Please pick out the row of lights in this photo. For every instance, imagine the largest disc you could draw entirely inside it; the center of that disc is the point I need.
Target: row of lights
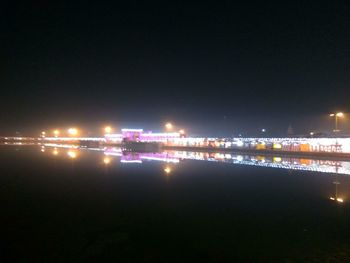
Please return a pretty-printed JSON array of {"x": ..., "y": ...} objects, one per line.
[
  {"x": 73, "y": 131},
  {"x": 108, "y": 129},
  {"x": 106, "y": 160}
]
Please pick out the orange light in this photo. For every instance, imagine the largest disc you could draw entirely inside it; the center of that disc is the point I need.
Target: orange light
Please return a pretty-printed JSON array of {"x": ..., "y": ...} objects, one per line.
[
  {"x": 72, "y": 154},
  {"x": 55, "y": 152},
  {"x": 169, "y": 126},
  {"x": 340, "y": 114},
  {"x": 72, "y": 131},
  {"x": 108, "y": 129},
  {"x": 340, "y": 200},
  {"x": 56, "y": 132},
  {"x": 167, "y": 170},
  {"x": 106, "y": 160}
]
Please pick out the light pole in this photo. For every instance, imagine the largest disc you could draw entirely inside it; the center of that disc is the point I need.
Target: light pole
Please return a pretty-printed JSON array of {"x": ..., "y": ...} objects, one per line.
[{"x": 336, "y": 115}]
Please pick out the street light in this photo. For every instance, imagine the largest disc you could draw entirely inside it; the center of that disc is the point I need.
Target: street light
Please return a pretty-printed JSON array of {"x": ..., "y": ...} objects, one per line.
[
  {"x": 72, "y": 154},
  {"x": 108, "y": 129},
  {"x": 167, "y": 170},
  {"x": 56, "y": 132},
  {"x": 336, "y": 115},
  {"x": 72, "y": 131},
  {"x": 168, "y": 126},
  {"x": 106, "y": 160}
]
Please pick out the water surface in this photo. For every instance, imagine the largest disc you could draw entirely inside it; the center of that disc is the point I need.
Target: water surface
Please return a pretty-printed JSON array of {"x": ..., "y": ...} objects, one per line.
[{"x": 78, "y": 205}]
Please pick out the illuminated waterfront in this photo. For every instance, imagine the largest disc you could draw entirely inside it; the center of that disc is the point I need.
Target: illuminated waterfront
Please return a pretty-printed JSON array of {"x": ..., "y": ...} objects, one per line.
[{"x": 82, "y": 203}]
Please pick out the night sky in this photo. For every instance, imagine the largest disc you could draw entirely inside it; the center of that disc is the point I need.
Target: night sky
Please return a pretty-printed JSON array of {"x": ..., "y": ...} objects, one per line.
[{"x": 214, "y": 68}]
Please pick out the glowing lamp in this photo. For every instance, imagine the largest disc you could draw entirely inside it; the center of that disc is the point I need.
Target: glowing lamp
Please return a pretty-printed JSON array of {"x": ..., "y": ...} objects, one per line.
[
  {"x": 168, "y": 126},
  {"x": 72, "y": 154},
  {"x": 167, "y": 170},
  {"x": 108, "y": 129},
  {"x": 72, "y": 131},
  {"x": 340, "y": 114},
  {"x": 56, "y": 132},
  {"x": 106, "y": 160}
]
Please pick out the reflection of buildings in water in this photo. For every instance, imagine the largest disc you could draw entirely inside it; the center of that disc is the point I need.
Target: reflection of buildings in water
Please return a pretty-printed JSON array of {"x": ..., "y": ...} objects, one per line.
[
  {"x": 334, "y": 167},
  {"x": 324, "y": 166},
  {"x": 289, "y": 163}
]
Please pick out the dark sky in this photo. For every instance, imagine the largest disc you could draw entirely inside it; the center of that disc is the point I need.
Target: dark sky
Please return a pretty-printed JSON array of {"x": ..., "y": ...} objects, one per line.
[{"x": 213, "y": 67}]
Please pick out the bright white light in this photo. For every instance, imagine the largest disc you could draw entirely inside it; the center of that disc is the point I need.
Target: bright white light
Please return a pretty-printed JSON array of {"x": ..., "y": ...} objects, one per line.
[
  {"x": 240, "y": 143},
  {"x": 72, "y": 154},
  {"x": 239, "y": 158},
  {"x": 132, "y": 130},
  {"x": 169, "y": 126},
  {"x": 72, "y": 131},
  {"x": 108, "y": 129},
  {"x": 340, "y": 114}
]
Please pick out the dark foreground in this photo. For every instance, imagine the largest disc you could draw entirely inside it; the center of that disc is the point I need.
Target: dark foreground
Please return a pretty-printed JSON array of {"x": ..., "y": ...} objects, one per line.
[{"x": 56, "y": 209}]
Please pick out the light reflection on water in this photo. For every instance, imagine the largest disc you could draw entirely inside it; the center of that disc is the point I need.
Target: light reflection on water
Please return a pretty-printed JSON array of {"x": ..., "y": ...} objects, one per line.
[
  {"x": 169, "y": 161},
  {"x": 172, "y": 158},
  {"x": 291, "y": 163},
  {"x": 174, "y": 197}
]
